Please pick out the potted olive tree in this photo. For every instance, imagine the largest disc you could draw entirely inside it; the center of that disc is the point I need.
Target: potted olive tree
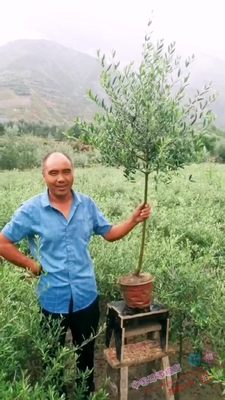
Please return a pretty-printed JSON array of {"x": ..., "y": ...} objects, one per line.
[{"x": 147, "y": 124}]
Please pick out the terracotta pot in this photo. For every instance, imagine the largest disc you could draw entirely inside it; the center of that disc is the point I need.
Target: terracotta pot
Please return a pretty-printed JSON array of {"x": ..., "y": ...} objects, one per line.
[{"x": 137, "y": 290}]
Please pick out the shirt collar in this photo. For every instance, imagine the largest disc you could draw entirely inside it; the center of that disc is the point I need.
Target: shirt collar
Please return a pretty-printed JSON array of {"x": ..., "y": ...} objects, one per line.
[{"x": 46, "y": 202}]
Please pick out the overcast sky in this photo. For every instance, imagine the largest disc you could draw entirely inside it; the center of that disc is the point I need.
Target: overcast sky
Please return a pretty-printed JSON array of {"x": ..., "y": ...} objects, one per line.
[{"x": 86, "y": 25}]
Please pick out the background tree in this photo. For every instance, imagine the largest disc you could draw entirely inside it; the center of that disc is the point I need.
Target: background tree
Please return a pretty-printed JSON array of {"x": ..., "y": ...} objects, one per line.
[{"x": 2, "y": 129}]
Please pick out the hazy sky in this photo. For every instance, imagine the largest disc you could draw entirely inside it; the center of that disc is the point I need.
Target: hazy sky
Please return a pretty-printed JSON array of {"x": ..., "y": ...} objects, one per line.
[{"x": 86, "y": 25}]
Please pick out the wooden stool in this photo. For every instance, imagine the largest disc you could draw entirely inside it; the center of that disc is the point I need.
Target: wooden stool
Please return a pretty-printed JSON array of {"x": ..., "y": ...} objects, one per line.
[{"x": 125, "y": 324}]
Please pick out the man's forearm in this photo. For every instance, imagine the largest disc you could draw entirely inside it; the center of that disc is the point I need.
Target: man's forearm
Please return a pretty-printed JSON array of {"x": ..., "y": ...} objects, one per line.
[
  {"x": 119, "y": 231},
  {"x": 10, "y": 252},
  {"x": 140, "y": 214},
  {"x": 13, "y": 255}
]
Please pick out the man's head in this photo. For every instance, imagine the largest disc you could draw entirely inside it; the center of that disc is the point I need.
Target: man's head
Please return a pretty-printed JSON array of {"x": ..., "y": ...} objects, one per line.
[{"x": 58, "y": 173}]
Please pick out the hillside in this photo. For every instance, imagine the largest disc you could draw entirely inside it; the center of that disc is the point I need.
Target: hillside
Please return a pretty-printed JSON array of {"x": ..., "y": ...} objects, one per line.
[{"x": 42, "y": 80}]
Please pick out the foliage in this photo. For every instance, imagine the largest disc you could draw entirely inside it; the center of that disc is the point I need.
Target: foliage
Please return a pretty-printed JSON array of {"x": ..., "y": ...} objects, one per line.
[
  {"x": 210, "y": 142},
  {"x": 185, "y": 244},
  {"x": 28, "y": 371},
  {"x": 214, "y": 141},
  {"x": 220, "y": 150},
  {"x": 75, "y": 131},
  {"x": 218, "y": 375},
  {"x": 217, "y": 132},
  {"x": 17, "y": 155},
  {"x": 2, "y": 129},
  {"x": 148, "y": 124},
  {"x": 25, "y": 152},
  {"x": 40, "y": 129}
]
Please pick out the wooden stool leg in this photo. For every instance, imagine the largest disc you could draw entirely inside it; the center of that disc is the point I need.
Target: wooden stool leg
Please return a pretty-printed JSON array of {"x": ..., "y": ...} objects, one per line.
[
  {"x": 123, "y": 383},
  {"x": 113, "y": 382},
  {"x": 167, "y": 381}
]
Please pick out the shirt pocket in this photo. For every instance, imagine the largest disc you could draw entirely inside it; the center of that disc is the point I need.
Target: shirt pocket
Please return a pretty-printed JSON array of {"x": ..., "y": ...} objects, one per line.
[{"x": 82, "y": 227}]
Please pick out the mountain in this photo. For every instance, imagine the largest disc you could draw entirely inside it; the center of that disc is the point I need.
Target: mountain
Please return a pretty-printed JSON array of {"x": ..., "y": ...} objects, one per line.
[{"x": 42, "y": 80}]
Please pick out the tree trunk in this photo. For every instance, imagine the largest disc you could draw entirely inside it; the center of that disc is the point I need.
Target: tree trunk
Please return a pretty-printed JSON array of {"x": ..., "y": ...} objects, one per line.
[{"x": 140, "y": 262}]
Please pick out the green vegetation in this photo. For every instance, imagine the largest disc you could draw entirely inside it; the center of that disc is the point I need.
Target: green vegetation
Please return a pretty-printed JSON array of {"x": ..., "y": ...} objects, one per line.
[
  {"x": 184, "y": 251},
  {"x": 149, "y": 124},
  {"x": 41, "y": 129},
  {"x": 27, "y": 369},
  {"x": 24, "y": 151},
  {"x": 23, "y": 144},
  {"x": 214, "y": 141}
]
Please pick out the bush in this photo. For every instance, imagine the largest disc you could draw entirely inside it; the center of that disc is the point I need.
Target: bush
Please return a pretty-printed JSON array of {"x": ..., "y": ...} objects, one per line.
[
  {"x": 24, "y": 152},
  {"x": 27, "y": 371},
  {"x": 220, "y": 150}
]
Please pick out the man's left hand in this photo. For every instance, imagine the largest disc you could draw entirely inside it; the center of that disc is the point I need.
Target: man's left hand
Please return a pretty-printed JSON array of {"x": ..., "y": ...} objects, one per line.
[{"x": 142, "y": 212}]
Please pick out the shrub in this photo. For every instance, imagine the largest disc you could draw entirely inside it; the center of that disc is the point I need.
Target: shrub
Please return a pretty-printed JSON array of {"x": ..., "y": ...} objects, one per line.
[{"x": 220, "y": 150}]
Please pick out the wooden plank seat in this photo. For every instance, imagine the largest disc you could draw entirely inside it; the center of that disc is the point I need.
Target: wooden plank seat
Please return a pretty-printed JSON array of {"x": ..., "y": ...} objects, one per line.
[{"x": 136, "y": 353}]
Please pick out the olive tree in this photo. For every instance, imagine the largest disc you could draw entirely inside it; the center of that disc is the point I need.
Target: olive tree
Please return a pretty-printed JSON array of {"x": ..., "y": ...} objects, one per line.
[{"x": 147, "y": 122}]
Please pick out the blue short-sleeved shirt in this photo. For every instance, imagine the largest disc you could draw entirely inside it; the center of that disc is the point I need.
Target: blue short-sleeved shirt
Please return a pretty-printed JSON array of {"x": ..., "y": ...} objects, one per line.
[{"x": 61, "y": 246}]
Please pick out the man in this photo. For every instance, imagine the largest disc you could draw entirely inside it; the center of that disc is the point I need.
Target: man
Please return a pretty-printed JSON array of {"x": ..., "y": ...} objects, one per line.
[{"x": 64, "y": 221}]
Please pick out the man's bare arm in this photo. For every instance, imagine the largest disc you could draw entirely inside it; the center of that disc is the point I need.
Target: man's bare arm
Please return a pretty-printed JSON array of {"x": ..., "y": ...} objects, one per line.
[
  {"x": 117, "y": 232},
  {"x": 10, "y": 252}
]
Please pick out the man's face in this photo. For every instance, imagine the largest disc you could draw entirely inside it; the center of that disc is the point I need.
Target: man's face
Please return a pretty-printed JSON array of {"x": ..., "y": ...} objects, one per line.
[{"x": 58, "y": 175}]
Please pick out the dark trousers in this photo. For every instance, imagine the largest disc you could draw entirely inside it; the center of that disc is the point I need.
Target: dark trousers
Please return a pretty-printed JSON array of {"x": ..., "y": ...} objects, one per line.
[{"x": 82, "y": 324}]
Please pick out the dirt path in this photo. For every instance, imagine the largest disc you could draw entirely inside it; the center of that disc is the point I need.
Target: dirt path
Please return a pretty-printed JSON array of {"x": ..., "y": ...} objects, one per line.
[{"x": 194, "y": 384}]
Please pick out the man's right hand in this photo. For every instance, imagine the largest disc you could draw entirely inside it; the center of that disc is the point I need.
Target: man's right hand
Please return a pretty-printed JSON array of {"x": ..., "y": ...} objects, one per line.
[
  {"x": 35, "y": 268},
  {"x": 10, "y": 252}
]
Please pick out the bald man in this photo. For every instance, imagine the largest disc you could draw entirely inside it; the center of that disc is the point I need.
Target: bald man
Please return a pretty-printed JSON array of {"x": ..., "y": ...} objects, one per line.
[{"x": 65, "y": 221}]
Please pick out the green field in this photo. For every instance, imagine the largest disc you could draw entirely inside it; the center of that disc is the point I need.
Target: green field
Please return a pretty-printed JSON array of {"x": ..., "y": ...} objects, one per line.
[{"x": 185, "y": 251}]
